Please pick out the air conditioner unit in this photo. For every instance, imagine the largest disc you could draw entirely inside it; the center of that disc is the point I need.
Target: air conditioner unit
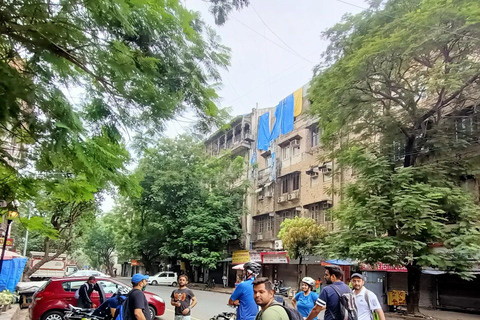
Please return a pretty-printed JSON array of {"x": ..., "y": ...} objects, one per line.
[
  {"x": 293, "y": 196},
  {"x": 295, "y": 144},
  {"x": 260, "y": 197},
  {"x": 249, "y": 137},
  {"x": 326, "y": 170},
  {"x": 314, "y": 174},
  {"x": 278, "y": 245},
  {"x": 281, "y": 199},
  {"x": 259, "y": 236},
  {"x": 268, "y": 194}
]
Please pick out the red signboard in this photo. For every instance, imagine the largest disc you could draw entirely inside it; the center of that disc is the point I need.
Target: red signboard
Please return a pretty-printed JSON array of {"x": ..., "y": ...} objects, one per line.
[
  {"x": 274, "y": 257},
  {"x": 134, "y": 263},
  {"x": 9, "y": 241},
  {"x": 379, "y": 266}
]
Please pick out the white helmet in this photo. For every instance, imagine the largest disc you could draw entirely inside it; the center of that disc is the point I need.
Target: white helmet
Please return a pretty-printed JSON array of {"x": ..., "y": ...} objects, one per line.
[{"x": 309, "y": 281}]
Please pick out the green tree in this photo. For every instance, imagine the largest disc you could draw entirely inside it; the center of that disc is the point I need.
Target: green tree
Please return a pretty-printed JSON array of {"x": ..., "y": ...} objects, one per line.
[
  {"x": 399, "y": 215},
  {"x": 300, "y": 237},
  {"x": 404, "y": 74},
  {"x": 133, "y": 64},
  {"x": 100, "y": 245},
  {"x": 191, "y": 201}
]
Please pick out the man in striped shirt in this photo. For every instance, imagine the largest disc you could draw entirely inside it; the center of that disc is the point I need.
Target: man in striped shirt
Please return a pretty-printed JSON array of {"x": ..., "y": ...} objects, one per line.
[{"x": 329, "y": 299}]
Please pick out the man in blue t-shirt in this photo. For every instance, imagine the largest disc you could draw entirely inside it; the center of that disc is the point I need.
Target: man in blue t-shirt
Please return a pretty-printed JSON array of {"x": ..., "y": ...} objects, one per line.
[
  {"x": 243, "y": 294},
  {"x": 329, "y": 298}
]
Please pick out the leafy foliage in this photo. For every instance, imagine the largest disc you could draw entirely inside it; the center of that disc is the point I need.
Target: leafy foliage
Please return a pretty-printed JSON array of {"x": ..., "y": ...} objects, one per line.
[
  {"x": 190, "y": 205},
  {"x": 301, "y": 235},
  {"x": 221, "y": 8},
  {"x": 403, "y": 71},
  {"x": 100, "y": 245}
]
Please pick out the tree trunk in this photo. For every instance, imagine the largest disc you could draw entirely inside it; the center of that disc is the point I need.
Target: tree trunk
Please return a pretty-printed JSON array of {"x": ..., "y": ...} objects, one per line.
[
  {"x": 46, "y": 258},
  {"x": 413, "y": 295},
  {"x": 299, "y": 274}
]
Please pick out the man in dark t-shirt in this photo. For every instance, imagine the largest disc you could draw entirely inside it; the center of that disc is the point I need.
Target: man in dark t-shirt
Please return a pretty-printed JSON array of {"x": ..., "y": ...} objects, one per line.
[
  {"x": 137, "y": 302},
  {"x": 183, "y": 299},
  {"x": 329, "y": 299}
]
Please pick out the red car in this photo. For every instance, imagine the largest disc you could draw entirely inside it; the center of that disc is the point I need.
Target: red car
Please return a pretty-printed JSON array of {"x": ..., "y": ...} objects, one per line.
[{"x": 50, "y": 301}]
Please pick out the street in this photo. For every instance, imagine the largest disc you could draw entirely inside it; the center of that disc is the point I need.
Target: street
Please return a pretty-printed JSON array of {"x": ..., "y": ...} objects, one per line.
[{"x": 209, "y": 303}]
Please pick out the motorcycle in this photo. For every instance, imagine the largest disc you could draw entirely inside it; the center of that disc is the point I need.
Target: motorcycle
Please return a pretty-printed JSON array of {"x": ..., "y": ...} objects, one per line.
[
  {"x": 225, "y": 315},
  {"x": 280, "y": 289},
  {"x": 75, "y": 313}
]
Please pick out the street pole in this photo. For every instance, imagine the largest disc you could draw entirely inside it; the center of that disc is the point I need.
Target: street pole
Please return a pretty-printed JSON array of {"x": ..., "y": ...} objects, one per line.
[
  {"x": 4, "y": 247},
  {"x": 26, "y": 237}
]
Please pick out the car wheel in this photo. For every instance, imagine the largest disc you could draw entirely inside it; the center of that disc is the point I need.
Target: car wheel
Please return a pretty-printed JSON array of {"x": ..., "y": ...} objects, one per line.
[
  {"x": 152, "y": 311},
  {"x": 174, "y": 284},
  {"x": 53, "y": 315},
  {"x": 154, "y": 282}
]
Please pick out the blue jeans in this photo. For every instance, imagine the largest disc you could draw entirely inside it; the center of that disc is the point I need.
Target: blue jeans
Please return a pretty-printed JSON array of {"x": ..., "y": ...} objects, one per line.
[{"x": 180, "y": 317}]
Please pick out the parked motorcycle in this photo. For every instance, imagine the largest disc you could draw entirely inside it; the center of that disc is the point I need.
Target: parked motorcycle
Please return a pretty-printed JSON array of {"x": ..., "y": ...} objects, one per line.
[
  {"x": 280, "y": 289},
  {"x": 225, "y": 315},
  {"x": 75, "y": 313}
]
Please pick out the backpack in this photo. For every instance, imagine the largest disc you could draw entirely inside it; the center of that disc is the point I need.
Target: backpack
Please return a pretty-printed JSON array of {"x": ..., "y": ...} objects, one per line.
[
  {"x": 374, "y": 315},
  {"x": 121, "y": 313},
  {"x": 348, "y": 308},
  {"x": 293, "y": 314}
]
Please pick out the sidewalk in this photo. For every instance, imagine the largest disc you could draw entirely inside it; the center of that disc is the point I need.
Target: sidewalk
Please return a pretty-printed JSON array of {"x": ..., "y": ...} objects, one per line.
[
  {"x": 432, "y": 314},
  {"x": 218, "y": 288},
  {"x": 12, "y": 314}
]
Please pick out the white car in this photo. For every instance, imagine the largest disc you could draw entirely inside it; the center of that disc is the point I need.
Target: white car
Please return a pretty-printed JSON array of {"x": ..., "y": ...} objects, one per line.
[
  {"x": 89, "y": 273},
  {"x": 164, "y": 277}
]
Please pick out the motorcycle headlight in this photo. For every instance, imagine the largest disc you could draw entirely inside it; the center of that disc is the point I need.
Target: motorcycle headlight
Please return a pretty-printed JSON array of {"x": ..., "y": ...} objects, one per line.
[{"x": 158, "y": 299}]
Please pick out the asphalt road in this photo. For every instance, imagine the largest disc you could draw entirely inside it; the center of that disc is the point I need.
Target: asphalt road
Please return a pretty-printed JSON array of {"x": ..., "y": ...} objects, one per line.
[{"x": 209, "y": 303}]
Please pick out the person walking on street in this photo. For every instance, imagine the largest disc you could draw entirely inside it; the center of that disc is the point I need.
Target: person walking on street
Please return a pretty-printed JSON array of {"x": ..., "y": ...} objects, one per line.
[
  {"x": 183, "y": 299},
  {"x": 84, "y": 293},
  {"x": 318, "y": 285},
  {"x": 305, "y": 301},
  {"x": 329, "y": 298},
  {"x": 242, "y": 296},
  {"x": 224, "y": 279},
  {"x": 264, "y": 294},
  {"x": 137, "y": 302},
  {"x": 366, "y": 301}
]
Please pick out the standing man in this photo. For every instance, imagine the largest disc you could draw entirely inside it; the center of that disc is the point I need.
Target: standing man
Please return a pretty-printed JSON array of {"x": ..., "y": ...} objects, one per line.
[
  {"x": 366, "y": 301},
  {"x": 329, "y": 298},
  {"x": 243, "y": 294},
  {"x": 224, "y": 279},
  {"x": 137, "y": 302},
  {"x": 183, "y": 299},
  {"x": 84, "y": 293},
  {"x": 265, "y": 298}
]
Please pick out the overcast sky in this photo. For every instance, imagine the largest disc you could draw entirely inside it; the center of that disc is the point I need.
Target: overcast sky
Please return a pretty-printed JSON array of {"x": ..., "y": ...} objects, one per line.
[{"x": 275, "y": 45}]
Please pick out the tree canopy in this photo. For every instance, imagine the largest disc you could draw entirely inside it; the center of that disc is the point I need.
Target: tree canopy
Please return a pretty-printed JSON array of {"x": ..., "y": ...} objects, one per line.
[
  {"x": 401, "y": 72},
  {"x": 190, "y": 205}
]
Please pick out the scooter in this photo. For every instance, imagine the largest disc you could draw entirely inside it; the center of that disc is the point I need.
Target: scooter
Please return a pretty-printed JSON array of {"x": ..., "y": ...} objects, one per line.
[
  {"x": 225, "y": 315},
  {"x": 280, "y": 289}
]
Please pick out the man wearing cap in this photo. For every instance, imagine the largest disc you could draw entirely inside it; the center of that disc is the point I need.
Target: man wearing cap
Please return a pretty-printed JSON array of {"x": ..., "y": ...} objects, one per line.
[
  {"x": 137, "y": 302},
  {"x": 366, "y": 301}
]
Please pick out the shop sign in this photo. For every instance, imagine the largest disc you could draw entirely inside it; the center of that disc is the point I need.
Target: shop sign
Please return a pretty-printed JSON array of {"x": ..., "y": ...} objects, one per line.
[
  {"x": 134, "y": 262},
  {"x": 241, "y": 256},
  {"x": 274, "y": 257},
  {"x": 379, "y": 266},
  {"x": 9, "y": 241},
  {"x": 255, "y": 256}
]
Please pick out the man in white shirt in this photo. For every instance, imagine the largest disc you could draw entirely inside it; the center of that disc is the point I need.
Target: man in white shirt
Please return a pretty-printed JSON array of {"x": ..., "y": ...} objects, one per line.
[{"x": 366, "y": 301}]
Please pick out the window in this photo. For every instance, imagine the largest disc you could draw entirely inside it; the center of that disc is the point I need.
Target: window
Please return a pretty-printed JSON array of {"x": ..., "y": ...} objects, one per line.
[
  {"x": 465, "y": 127},
  {"x": 317, "y": 214},
  {"x": 286, "y": 215},
  {"x": 296, "y": 181},
  {"x": 72, "y": 286},
  {"x": 108, "y": 286},
  {"x": 264, "y": 224},
  {"x": 285, "y": 184},
  {"x": 315, "y": 136},
  {"x": 295, "y": 147},
  {"x": 291, "y": 182},
  {"x": 286, "y": 152},
  {"x": 163, "y": 275},
  {"x": 171, "y": 275},
  {"x": 268, "y": 161}
]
